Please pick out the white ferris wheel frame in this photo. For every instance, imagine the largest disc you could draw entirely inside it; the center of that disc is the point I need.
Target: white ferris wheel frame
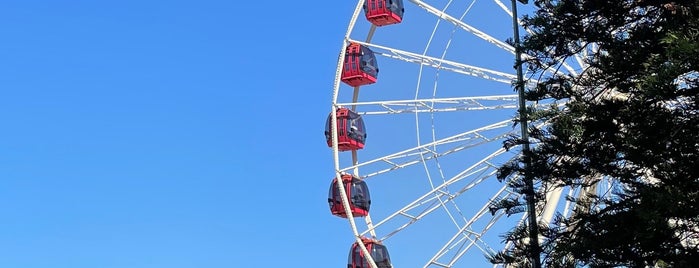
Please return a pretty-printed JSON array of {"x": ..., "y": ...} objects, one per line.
[{"x": 465, "y": 238}]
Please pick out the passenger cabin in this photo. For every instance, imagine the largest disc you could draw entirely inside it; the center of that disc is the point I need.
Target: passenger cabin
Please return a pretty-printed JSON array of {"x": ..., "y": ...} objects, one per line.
[
  {"x": 351, "y": 133},
  {"x": 383, "y": 12},
  {"x": 360, "y": 67},
  {"x": 357, "y": 193},
  {"x": 378, "y": 252}
]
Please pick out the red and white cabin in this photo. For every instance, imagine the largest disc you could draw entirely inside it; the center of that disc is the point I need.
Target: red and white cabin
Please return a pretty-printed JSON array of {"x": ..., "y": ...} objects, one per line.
[
  {"x": 378, "y": 253},
  {"x": 357, "y": 193},
  {"x": 360, "y": 67},
  {"x": 383, "y": 12},
  {"x": 351, "y": 133}
]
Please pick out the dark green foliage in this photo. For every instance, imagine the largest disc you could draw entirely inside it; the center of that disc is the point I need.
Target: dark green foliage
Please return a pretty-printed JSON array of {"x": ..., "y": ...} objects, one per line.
[{"x": 631, "y": 116}]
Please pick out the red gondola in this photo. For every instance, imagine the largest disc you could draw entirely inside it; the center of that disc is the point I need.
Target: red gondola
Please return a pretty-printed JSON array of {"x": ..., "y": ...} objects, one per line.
[
  {"x": 360, "y": 67},
  {"x": 357, "y": 193},
  {"x": 351, "y": 133},
  {"x": 378, "y": 252},
  {"x": 383, "y": 12}
]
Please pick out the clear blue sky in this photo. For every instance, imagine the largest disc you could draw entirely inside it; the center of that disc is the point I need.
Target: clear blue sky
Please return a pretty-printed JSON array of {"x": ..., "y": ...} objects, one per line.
[
  {"x": 170, "y": 133},
  {"x": 167, "y": 133}
]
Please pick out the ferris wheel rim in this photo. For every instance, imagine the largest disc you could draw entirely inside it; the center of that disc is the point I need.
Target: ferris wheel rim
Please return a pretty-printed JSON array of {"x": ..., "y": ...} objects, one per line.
[
  {"x": 335, "y": 105},
  {"x": 334, "y": 123}
]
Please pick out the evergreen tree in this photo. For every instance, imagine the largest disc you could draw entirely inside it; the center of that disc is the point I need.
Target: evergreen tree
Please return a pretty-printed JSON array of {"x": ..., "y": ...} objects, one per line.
[{"x": 631, "y": 118}]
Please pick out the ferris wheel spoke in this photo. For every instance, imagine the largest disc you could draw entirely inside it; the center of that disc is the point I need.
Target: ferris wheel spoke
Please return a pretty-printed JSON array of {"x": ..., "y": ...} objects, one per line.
[
  {"x": 467, "y": 240},
  {"x": 429, "y": 151},
  {"x": 435, "y": 105},
  {"x": 468, "y": 237},
  {"x": 480, "y": 34},
  {"x": 503, "y": 7},
  {"x": 434, "y": 199},
  {"x": 440, "y": 63},
  {"x": 462, "y": 242},
  {"x": 442, "y": 15},
  {"x": 579, "y": 58}
]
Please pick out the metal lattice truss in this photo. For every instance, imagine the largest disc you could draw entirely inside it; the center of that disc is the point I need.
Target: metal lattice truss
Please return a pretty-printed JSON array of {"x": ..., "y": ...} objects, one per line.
[
  {"x": 443, "y": 196},
  {"x": 468, "y": 28},
  {"x": 480, "y": 34},
  {"x": 440, "y": 64},
  {"x": 435, "y": 105},
  {"x": 435, "y": 149},
  {"x": 467, "y": 235}
]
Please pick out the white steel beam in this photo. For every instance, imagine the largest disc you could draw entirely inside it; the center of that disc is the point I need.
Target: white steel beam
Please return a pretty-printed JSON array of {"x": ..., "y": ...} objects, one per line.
[
  {"x": 436, "y": 105},
  {"x": 429, "y": 202},
  {"x": 440, "y": 63},
  {"x": 412, "y": 156},
  {"x": 464, "y": 26},
  {"x": 467, "y": 233}
]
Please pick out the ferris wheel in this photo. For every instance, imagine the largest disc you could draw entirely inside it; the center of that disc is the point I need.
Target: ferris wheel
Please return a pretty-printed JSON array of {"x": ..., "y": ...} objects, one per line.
[{"x": 424, "y": 132}]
